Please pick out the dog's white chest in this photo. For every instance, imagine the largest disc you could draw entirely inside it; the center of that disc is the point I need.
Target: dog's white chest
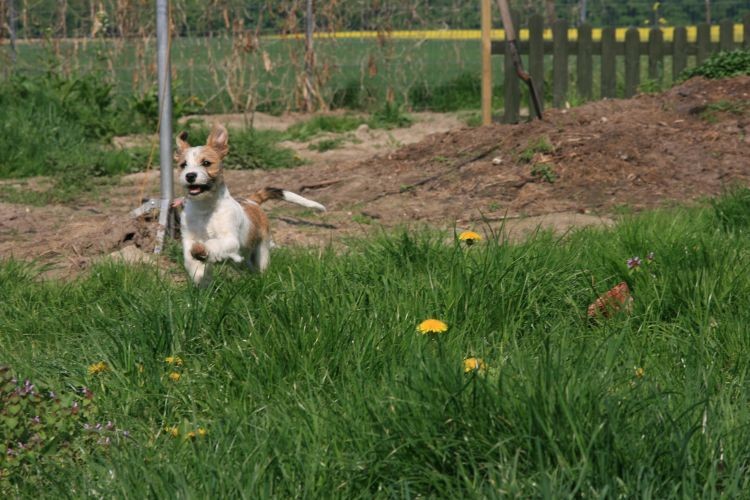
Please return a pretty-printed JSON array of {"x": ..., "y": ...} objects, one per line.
[{"x": 225, "y": 218}]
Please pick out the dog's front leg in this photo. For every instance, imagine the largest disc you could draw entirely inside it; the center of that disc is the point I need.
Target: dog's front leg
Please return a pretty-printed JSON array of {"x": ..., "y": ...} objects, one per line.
[
  {"x": 197, "y": 269},
  {"x": 224, "y": 247}
]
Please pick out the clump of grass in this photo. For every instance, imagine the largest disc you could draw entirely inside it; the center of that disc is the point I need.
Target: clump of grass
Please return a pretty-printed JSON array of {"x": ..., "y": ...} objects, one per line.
[
  {"x": 308, "y": 129},
  {"x": 712, "y": 111},
  {"x": 732, "y": 210},
  {"x": 252, "y": 149},
  {"x": 327, "y": 144},
  {"x": 544, "y": 172},
  {"x": 390, "y": 116},
  {"x": 535, "y": 146},
  {"x": 61, "y": 127}
]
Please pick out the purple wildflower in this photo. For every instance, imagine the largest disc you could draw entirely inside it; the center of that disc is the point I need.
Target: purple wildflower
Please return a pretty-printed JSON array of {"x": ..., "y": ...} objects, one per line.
[
  {"x": 110, "y": 425},
  {"x": 52, "y": 395},
  {"x": 98, "y": 427},
  {"x": 125, "y": 434},
  {"x": 11, "y": 452},
  {"x": 634, "y": 262},
  {"x": 36, "y": 420}
]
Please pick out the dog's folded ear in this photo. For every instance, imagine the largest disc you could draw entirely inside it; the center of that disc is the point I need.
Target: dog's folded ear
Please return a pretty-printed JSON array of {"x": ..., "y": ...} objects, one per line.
[
  {"x": 182, "y": 143},
  {"x": 218, "y": 139}
]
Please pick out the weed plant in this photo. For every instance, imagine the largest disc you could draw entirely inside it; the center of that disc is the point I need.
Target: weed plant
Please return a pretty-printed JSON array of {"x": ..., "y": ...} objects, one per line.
[
  {"x": 721, "y": 65},
  {"x": 312, "y": 380}
]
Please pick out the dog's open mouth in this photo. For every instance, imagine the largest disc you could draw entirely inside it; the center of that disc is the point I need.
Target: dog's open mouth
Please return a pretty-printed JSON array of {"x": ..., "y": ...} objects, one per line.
[{"x": 196, "y": 189}]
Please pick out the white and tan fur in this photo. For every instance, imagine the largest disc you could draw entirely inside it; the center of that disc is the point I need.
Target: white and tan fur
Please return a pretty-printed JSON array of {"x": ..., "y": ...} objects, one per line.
[{"x": 215, "y": 226}]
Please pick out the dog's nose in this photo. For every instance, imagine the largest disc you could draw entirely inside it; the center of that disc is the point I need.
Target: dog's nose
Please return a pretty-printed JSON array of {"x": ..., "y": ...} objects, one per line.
[{"x": 190, "y": 177}]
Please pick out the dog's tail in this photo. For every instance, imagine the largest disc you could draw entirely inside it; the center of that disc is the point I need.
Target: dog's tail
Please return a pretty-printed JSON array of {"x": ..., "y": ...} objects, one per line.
[{"x": 271, "y": 193}]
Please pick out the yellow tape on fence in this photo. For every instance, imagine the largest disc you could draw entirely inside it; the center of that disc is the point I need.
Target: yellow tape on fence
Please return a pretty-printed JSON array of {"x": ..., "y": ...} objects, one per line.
[{"x": 499, "y": 34}]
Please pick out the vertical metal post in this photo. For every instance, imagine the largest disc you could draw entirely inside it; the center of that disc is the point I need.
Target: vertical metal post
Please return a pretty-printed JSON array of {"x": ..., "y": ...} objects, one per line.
[
  {"x": 165, "y": 121},
  {"x": 582, "y": 13},
  {"x": 309, "y": 56},
  {"x": 487, "y": 62},
  {"x": 12, "y": 19}
]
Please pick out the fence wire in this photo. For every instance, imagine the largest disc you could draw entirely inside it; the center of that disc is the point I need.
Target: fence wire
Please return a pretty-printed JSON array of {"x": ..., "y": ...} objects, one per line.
[{"x": 231, "y": 55}]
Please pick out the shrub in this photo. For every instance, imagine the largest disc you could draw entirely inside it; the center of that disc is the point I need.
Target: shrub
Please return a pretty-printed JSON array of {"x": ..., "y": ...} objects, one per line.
[
  {"x": 721, "y": 65},
  {"x": 41, "y": 429}
]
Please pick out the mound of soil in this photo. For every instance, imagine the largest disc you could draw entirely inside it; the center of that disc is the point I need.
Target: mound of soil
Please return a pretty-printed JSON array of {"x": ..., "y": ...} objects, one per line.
[{"x": 575, "y": 167}]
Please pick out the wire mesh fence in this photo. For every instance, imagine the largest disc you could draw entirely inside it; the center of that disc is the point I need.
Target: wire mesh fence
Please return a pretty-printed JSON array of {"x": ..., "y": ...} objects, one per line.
[{"x": 229, "y": 55}]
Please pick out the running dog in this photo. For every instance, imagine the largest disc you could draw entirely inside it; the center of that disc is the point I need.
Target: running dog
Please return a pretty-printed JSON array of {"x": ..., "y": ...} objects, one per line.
[{"x": 215, "y": 226}]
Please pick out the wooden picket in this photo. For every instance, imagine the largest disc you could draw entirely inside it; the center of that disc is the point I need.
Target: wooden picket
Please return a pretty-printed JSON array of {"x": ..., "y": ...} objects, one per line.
[{"x": 658, "y": 52}]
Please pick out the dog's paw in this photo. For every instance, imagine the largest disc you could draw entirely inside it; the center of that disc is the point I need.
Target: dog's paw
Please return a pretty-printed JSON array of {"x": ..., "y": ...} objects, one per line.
[{"x": 199, "y": 251}]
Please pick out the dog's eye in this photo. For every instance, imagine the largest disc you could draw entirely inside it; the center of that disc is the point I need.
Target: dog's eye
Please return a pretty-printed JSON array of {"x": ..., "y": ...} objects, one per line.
[
  {"x": 183, "y": 164},
  {"x": 205, "y": 163}
]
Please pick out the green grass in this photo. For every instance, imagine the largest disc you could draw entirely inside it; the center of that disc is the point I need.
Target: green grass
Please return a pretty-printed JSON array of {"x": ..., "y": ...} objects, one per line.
[
  {"x": 534, "y": 146},
  {"x": 311, "y": 380}
]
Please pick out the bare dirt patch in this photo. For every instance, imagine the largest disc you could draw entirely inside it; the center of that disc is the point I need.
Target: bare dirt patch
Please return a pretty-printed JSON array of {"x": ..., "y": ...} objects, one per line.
[{"x": 576, "y": 167}]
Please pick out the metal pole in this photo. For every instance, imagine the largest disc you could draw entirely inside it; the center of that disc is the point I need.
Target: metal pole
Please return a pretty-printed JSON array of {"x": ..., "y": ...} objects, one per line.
[
  {"x": 12, "y": 28},
  {"x": 486, "y": 63},
  {"x": 582, "y": 14},
  {"x": 309, "y": 55},
  {"x": 165, "y": 120}
]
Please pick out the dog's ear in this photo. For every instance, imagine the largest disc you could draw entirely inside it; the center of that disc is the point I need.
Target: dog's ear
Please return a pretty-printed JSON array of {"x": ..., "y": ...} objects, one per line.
[
  {"x": 218, "y": 139},
  {"x": 182, "y": 143}
]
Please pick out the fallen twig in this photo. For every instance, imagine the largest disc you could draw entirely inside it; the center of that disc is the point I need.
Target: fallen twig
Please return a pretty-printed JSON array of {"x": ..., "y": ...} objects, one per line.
[
  {"x": 301, "y": 222},
  {"x": 319, "y": 185},
  {"x": 456, "y": 166}
]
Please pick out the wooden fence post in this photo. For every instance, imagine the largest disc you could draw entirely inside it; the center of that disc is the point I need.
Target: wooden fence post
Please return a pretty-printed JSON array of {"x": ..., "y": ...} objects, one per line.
[
  {"x": 656, "y": 55},
  {"x": 536, "y": 55},
  {"x": 584, "y": 62},
  {"x": 609, "y": 64},
  {"x": 486, "y": 63},
  {"x": 726, "y": 35},
  {"x": 632, "y": 61},
  {"x": 512, "y": 91},
  {"x": 559, "y": 63},
  {"x": 704, "y": 42},
  {"x": 679, "y": 52}
]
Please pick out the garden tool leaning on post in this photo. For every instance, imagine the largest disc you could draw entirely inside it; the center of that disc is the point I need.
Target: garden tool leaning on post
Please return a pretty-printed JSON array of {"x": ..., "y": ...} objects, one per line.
[{"x": 510, "y": 44}]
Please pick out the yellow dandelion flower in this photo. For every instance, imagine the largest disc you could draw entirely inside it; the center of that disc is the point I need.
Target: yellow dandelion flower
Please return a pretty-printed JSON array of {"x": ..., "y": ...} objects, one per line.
[
  {"x": 190, "y": 435},
  {"x": 98, "y": 368},
  {"x": 639, "y": 372},
  {"x": 469, "y": 237},
  {"x": 173, "y": 431},
  {"x": 474, "y": 364},
  {"x": 431, "y": 326},
  {"x": 202, "y": 432},
  {"x": 173, "y": 360},
  {"x": 174, "y": 376}
]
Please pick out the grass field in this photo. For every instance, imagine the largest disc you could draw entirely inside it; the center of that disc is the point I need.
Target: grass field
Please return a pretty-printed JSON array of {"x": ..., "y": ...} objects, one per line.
[
  {"x": 214, "y": 75},
  {"x": 312, "y": 381}
]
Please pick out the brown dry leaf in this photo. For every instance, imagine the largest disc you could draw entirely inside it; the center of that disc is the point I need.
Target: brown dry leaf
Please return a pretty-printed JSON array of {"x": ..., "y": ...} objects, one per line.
[{"x": 616, "y": 299}]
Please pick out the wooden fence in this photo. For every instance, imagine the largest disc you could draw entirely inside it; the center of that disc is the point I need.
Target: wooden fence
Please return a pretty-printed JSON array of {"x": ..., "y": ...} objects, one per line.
[{"x": 584, "y": 48}]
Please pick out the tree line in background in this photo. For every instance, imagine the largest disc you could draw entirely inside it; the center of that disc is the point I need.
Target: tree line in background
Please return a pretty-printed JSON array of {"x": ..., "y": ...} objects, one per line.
[{"x": 92, "y": 18}]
